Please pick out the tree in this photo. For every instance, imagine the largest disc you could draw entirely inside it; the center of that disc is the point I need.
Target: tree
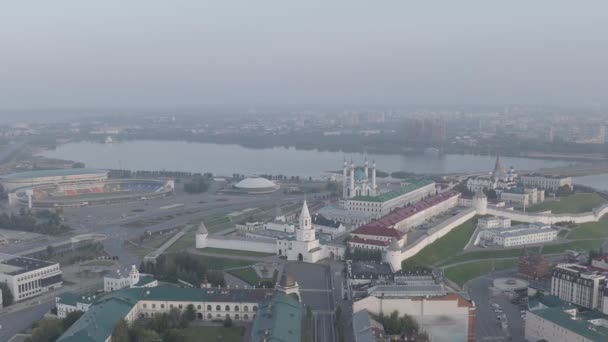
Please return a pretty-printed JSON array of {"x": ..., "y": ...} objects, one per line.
[
  {"x": 71, "y": 318},
  {"x": 7, "y": 295},
  {"x": 48, "y": 330},
  {"x": 309, "y": 333},
  {"x": 50, "y": 250},
  {"x": 78, "y": 165},
  {"x": 174, "y": 318},
  {"x": 121, "y": 331},
  {"x": 189, "y": 315},
  {"x": 227, "y": 322},
  {"x": 174, "y": 335}
]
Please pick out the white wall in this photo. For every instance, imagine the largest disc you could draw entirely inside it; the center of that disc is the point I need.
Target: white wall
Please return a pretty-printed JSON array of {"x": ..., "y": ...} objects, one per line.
[
  {"x": 240, "y": 244},
  {"x": 592, "y": 216},
  {"x": 438, "y": 231}
]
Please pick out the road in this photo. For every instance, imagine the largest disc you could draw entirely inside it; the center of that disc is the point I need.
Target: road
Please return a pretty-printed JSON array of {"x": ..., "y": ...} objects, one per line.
[
  {"x": 15, "y": 322},
  {"x": 316, "y": 291}
]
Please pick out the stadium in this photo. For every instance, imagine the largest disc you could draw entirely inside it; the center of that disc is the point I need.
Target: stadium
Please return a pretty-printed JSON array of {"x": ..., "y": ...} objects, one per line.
[{"x": 70, "y": 188}]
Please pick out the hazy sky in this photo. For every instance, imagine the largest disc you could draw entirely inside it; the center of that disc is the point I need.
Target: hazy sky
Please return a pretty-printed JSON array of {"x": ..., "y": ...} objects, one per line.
[{"x": 146, "y": 53}]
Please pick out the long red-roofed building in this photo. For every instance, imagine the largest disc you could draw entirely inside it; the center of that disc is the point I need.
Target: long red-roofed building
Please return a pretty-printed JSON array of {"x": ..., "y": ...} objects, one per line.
[{"x": 379, "y": 233}]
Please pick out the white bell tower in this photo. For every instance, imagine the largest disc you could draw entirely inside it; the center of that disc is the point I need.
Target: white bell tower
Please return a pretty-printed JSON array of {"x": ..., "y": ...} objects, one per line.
[{"x": 305, "y": 231}]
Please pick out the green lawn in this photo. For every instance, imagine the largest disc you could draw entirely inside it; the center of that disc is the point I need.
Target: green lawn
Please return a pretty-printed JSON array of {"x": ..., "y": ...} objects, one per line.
[
  {"x": 214, "y": 334},
  {"x": 249, "y": 275},
  {"x": 183, "y": 243},
  {"x": 497, "y": 254},
  {"x": 578, "y": 203},
  {"x": 448, "y": 246},
  {"x": 235, "y": 252},
  {"x": 221, "y": 263},
  {"x": 573, "y": 245},
  {"x": 591, "y": 230},
  {"x": 462, "y": 273}
]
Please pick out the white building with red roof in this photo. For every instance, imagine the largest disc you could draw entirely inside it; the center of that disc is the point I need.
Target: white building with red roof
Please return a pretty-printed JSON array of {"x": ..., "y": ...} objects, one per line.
[{"x": 375, "y": 235}]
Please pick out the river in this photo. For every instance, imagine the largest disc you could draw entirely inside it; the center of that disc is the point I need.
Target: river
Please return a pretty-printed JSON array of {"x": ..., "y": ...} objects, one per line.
[{"x": 223, "y": 159}]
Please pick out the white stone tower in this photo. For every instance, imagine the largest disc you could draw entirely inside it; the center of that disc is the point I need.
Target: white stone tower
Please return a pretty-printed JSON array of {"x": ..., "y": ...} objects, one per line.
[
  {"x": 201, "y": 236},
  {"x": 393, "y": 255},
  {"x": 480, "y": 203},
  {"x": 133, "y": 276},
  {"x": 305, "y": 231}
]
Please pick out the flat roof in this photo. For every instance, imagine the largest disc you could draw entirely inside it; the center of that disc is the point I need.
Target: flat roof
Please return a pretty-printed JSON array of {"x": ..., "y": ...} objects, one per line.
[
  {"x": 412, "y": 186},
  {"x": 279, "y": 319},
  {"x": 52, "y": 173},
  {"x": 580, "y": 326},
  {"x": 15, "y": 265}
]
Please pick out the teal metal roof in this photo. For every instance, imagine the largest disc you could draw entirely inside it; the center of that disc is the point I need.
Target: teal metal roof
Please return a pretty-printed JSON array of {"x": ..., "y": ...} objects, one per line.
[
  {"x": 52, "y": 173},
  {"x": 414, "y": 185},
  {"x": 70, "y": 298},
  {"x": 278, "y": 320},
  {"x": 579, "y": 326},
  {"x": 145, "y": 280},
  {"x": 99, "y": 321}
]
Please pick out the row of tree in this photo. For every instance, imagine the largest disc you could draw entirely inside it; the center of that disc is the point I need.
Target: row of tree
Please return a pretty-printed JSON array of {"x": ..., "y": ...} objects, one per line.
[
  {"x": 162, "y": 327},
  {"x": 42, "y": 222},
  {"x": 362, "y": 254},
  {"x": 49, "y": 329},
  {"x": 185, "y": 267},
  {"x": 404, "y": 326},
  {"x": 197, "y": 185}
]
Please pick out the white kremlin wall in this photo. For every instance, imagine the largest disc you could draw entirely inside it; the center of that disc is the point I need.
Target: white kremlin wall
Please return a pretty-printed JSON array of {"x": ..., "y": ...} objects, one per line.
[
  {"x": 548, "y": 218},
  {"x": 237, "y": 243},
  {"x": 395, "y": 259}
]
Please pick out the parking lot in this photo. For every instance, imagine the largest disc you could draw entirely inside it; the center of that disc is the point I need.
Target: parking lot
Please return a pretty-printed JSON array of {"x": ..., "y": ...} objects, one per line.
[{"x": 495, "y": 309}]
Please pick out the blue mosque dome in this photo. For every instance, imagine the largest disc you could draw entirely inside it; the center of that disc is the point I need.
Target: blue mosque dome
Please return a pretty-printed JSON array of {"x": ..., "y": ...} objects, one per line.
[{"x": 360, "y": 175}]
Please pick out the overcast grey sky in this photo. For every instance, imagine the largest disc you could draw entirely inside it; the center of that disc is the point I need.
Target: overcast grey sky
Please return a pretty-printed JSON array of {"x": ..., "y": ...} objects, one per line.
[{"x": 145, "y": 53}]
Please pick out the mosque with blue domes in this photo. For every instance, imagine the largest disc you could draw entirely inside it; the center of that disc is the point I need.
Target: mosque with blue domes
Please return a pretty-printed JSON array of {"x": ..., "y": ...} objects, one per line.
[{"x": 358, "y": 181}]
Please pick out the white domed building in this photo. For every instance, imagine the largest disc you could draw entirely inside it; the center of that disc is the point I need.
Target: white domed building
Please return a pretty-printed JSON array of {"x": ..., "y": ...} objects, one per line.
[{"x": 256, "y": 185}]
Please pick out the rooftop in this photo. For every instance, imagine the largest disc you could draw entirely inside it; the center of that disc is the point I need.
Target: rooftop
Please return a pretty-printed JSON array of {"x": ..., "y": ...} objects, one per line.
[
  {"x": 15, "y": 265},
  {"x": 372, "y": 242},
  {"x": 53, "y": 173},
  {"x": 321, "y": 220},
  {"x": 580, "y": 324},
  {"x": 380, "y": 226},
  {"x": 279, "y": 319},
  {"x": 69, "y": 298},
  {"x": 97, "y": 323},
  {"x": 403, "y": 290},
  {"x": 412, "y": 186}
]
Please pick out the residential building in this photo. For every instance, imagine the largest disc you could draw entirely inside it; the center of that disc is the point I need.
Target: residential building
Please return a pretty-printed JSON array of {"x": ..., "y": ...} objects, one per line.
[
  {"x": 600, "y": 262},
  {"x": 27, "y": 277},
  {"x": 578, "y": 285},
  {"x": 69, "y": 302},
  {"x": 324, "y": 225}
]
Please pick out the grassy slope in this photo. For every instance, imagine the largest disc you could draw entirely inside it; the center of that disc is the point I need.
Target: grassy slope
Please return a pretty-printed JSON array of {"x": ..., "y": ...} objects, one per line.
[
  {"x": 463, "y": 273},
  {"x": 446, "y": 247}
]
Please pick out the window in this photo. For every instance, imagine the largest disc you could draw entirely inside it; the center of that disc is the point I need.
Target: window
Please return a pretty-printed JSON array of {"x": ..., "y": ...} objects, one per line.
[
  {"x": 218, "y": 308},
  {"x": 246, "y": 308},
  {"x": 227, "y": 307},
  {"x": 236, "y": 308},
  {"x": 198, "y": 307},
  {"x": 208, "y": 307},
  {"x": 153, "y": 306},
  {"x": 246, "y": 316},
  {"x": 180, "y": 306},
  {"x": 162, "y": 306},
  {"x": 255, "y": 308},
  {"x": 236, "y": 316},
  {"x": 145, "y": 305},
  {"x": 209, "y": 316}
]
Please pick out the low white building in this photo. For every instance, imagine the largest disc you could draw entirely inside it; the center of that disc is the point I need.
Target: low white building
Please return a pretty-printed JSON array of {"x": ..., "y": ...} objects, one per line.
[
  {"x": 600, "y": 262},
  {"x": 27, "y": 277},
  {"x": 522, "y": 234},
  {"x": 69, "y": 302},
  {"x": 280, "y": 227},
  {"x": 545, "y": 182},
  {"x": 491, "y": 222},
  {"x": 522, "y": 196},
  {"x": 133, "y": 279}
]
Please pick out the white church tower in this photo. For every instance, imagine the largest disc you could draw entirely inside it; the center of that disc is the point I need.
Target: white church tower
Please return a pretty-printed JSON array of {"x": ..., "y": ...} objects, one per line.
[{"x": 305, "y": 231}]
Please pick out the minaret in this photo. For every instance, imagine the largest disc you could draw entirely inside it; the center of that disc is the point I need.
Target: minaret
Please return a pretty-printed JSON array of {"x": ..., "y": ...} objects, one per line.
[
  {"x": 374, "y": 178},
  {"x": 352, "y": 178},
  {"x": 497, "y": 167},
  {"x": 305, "y": 231},
  {"x": 366, "y": 167},
  {"x": 344, "y": 183}
]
